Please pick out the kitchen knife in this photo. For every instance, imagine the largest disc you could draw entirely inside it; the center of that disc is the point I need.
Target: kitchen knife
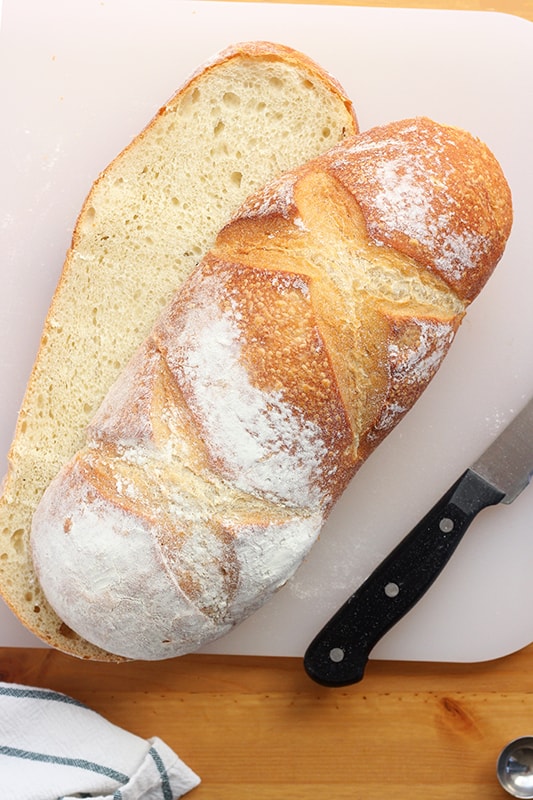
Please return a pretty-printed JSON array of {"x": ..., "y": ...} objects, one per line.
[{"x": 339, "y": 653}]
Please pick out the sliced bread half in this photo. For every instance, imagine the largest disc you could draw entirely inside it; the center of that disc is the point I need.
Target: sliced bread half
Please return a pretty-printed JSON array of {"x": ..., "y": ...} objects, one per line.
[{"x": 252, "y": 112}]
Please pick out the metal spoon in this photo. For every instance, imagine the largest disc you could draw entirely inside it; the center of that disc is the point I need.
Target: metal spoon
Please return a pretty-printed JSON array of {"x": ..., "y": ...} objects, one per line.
[{"x": 515, "y": 767}]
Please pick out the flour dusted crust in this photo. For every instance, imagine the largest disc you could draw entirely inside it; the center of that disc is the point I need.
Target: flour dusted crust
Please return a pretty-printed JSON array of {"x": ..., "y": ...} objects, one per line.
[
  {"x": 433, "y": 195},
  {"x": 253, "y": 111},
  {"x": 177, "y": 586},
  {"x": 321, "y": 313}
]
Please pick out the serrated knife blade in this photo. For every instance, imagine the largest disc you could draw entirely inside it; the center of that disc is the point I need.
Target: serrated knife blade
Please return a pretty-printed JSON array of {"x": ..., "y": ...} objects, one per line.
[{"x": 338, "y": 655}]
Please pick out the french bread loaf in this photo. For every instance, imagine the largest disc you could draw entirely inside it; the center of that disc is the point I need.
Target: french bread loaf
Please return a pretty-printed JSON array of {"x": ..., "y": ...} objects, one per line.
[
  {"x": 317, "y": 319},
  {"x": 253, "y": 111}
]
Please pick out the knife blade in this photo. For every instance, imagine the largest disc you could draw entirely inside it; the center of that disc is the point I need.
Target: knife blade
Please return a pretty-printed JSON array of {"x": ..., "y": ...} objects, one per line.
[{"x": 338, "y": 655}]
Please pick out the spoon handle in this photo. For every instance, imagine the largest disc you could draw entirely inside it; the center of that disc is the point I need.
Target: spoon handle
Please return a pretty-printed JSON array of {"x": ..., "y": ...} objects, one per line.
[{"x": 339, "y": 653}]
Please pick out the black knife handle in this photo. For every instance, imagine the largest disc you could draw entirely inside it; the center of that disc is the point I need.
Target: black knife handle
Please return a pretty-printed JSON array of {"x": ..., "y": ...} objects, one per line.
[{"x": 339, "y": 653}]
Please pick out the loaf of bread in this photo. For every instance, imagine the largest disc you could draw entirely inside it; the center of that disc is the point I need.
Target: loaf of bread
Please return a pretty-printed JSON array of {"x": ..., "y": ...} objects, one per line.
[
  {"x": 252, "y": 112},
  {"x": 305, "y": 334}
]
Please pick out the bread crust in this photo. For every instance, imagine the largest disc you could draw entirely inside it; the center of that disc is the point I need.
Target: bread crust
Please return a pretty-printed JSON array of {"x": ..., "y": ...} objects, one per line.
[
  {"x": 58, "y": 404},
  {"x": 322, "y": 312},
  {"x": 433, "y": 174}
]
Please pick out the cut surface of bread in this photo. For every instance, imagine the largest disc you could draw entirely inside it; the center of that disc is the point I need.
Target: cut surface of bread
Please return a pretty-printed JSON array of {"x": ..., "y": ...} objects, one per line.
[{"x": 253, "y": 111}]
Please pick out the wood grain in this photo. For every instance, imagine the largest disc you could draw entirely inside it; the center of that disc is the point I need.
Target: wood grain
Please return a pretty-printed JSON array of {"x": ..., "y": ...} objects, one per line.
[
  {"x": 260, "y": 728},
  {"x": 520, "y": 8}
]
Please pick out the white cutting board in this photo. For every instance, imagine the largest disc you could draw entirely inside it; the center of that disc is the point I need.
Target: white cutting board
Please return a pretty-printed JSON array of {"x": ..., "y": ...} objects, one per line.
[{"x": 79, "y": 79}]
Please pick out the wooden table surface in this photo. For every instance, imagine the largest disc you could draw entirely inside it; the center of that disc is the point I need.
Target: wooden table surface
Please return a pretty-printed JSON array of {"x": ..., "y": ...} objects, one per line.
[{"x": 260, "y": 728}]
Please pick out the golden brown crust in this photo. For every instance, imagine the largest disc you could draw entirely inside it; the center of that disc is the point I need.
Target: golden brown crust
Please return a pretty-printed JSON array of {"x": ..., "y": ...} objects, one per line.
[
  {"x": 322, "y": 312},
  {"x": 419, "y": 206},
  {"x": 442, "y": 198}
]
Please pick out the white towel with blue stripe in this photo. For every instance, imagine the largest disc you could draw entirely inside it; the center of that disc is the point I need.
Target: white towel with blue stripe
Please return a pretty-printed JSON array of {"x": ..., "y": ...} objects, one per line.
[{"x": 54, "y": 748}]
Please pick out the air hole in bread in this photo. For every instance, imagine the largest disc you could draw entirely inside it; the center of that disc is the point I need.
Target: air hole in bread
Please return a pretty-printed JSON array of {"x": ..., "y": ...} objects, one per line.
[
  {"x": 17, "y": 540},
  {"x": 67, "y": 632},
  {"x": 89, "y": 217},
  {"x": 231, "y": 99}
]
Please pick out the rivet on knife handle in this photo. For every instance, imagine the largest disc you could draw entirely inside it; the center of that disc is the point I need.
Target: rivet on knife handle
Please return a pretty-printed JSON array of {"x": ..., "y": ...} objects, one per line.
[{"x": 339, "y": 653}]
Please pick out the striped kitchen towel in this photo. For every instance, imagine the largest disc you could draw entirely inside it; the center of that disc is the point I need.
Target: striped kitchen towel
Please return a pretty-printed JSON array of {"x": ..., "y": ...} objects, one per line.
[{"x": 54, "y": 748}]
